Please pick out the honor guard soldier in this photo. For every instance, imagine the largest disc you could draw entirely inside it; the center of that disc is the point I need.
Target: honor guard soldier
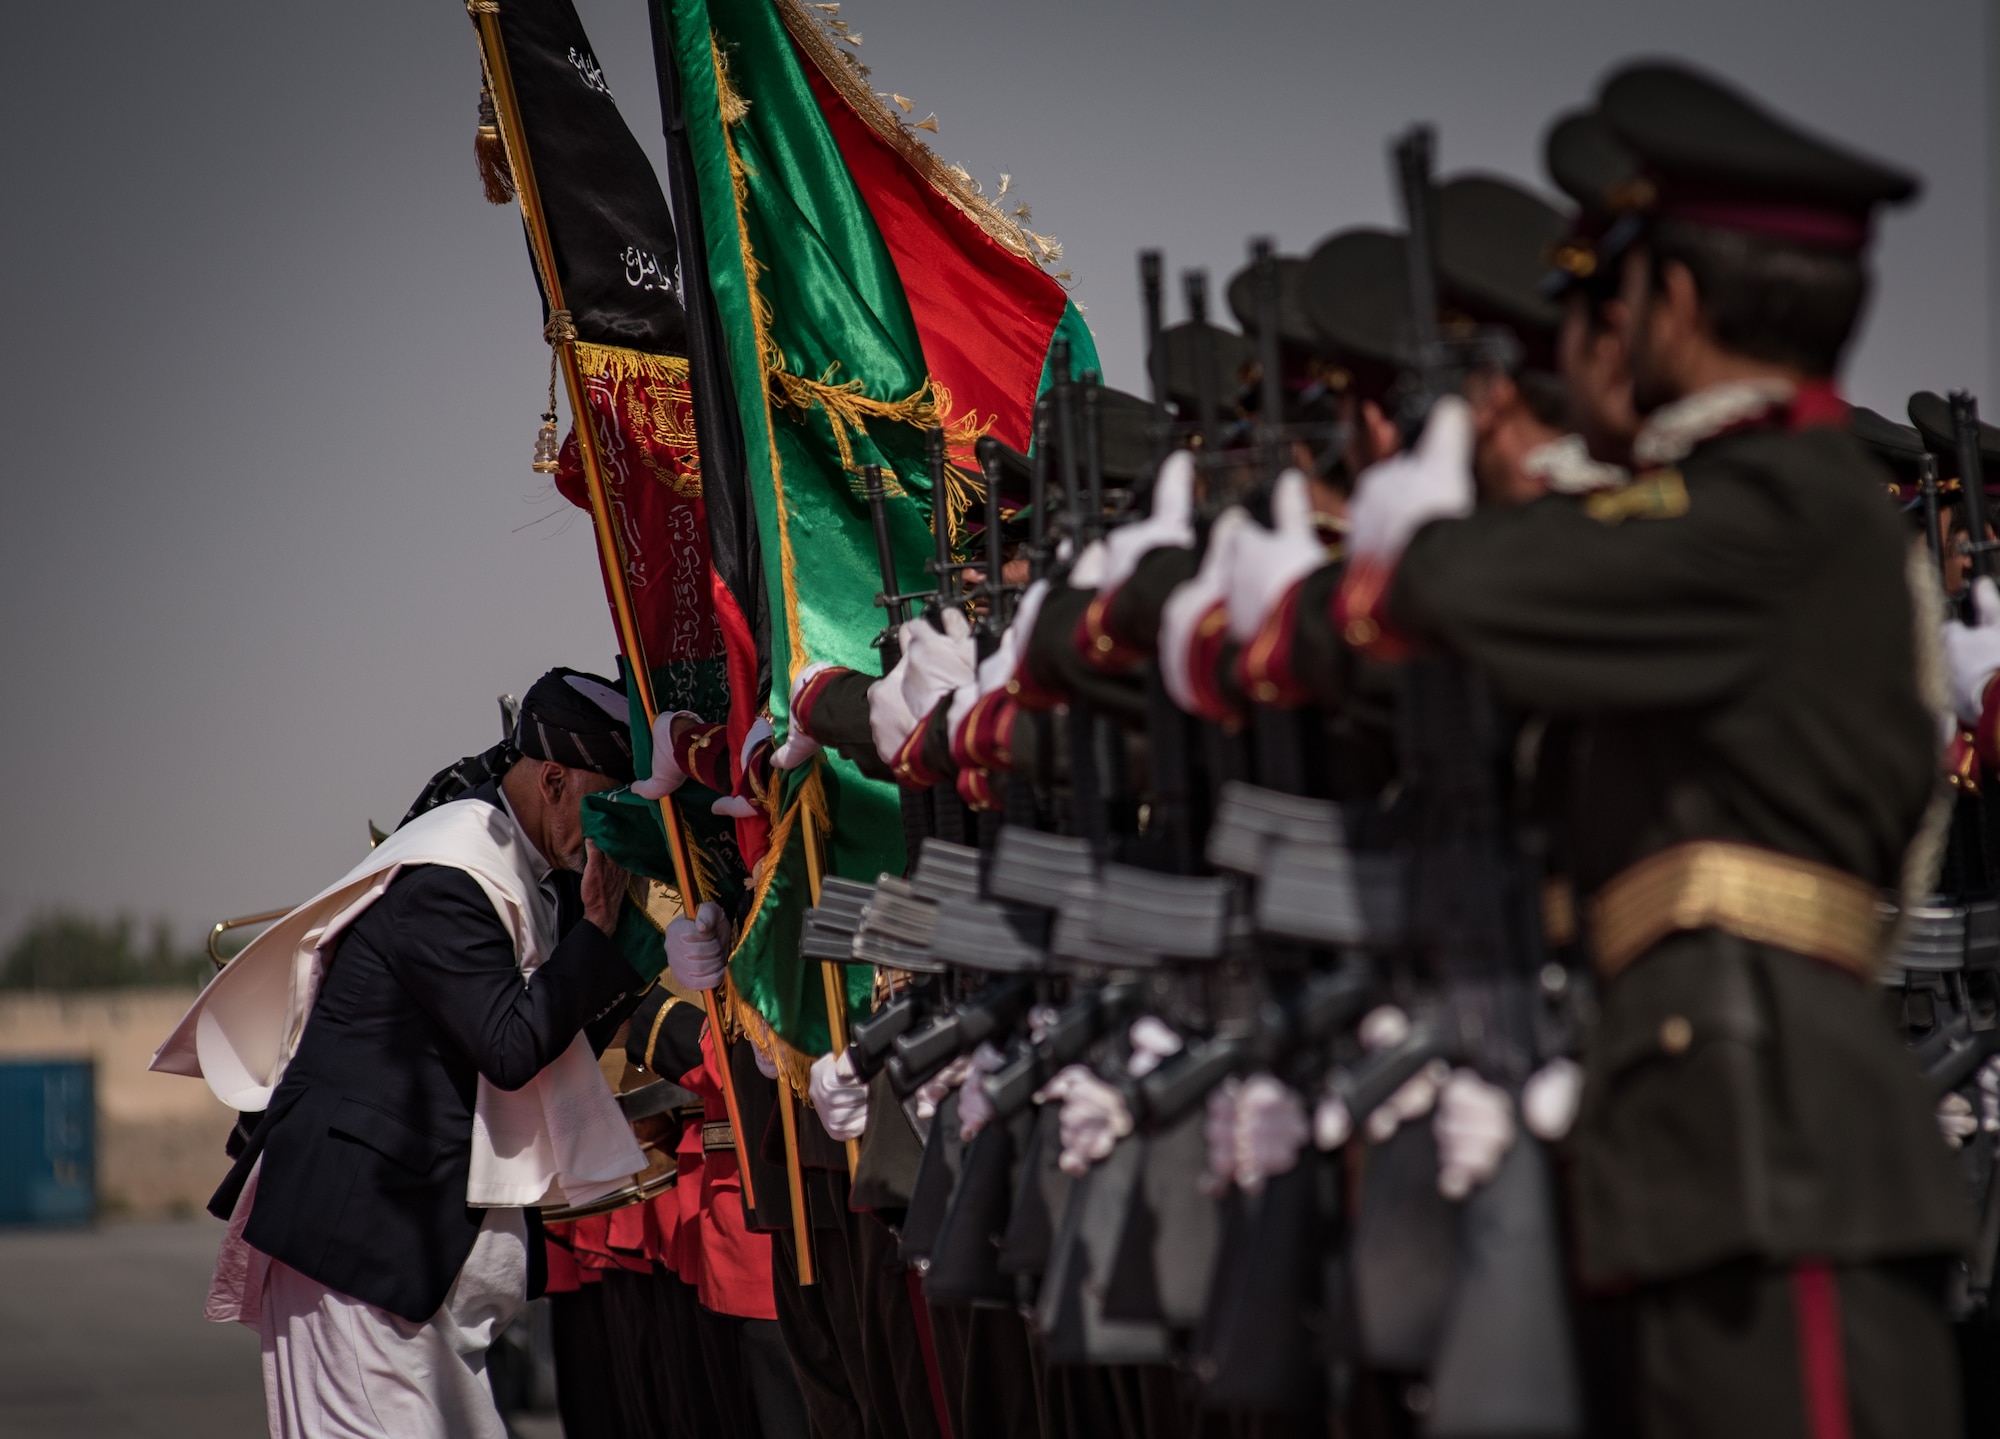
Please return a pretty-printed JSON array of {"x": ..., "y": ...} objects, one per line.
[{"x": 1757, "y": 1173}]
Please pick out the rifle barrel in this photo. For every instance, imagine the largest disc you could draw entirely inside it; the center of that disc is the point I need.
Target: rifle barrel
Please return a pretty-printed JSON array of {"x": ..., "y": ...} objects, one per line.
[{"x": 1972, "y": 478}]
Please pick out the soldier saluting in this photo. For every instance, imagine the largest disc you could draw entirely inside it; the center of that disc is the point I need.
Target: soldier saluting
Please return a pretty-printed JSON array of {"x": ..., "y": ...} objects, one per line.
[{"x": 1758, "y": 1175}]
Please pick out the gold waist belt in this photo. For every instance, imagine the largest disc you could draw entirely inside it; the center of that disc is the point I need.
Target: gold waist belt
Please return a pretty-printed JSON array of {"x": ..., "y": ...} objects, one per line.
[
  {"x": 1756, "y": 894},
  {"x": 716, "y": 1134}
]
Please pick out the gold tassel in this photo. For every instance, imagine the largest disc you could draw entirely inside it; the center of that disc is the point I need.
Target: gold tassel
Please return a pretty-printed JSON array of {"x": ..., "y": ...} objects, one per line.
[
  {"x": 929, "y": 122},
  {"x": 491, "y": 153}
]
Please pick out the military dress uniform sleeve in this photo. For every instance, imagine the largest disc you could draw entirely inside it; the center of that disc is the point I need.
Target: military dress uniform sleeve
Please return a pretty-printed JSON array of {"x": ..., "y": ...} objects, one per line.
[
  {"x": 1656, "y": 597},
  {"x": 454, "y": 958}
]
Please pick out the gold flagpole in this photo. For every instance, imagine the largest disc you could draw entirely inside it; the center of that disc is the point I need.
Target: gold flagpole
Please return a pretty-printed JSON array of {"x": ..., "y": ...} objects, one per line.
[
  {"x": 829, "y": 973},
  {"x": 562, "y": 335}
]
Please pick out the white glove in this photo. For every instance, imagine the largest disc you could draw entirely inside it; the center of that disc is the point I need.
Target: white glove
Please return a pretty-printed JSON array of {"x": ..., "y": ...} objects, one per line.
[
  {"x": 1989, "y": 1096},
  {"x": 1190, "y": 603},
  {"x": 1092, "y": 1120},
  {"x": 1972, "y": 652},
  {"x": 666, "y": 776},
  {"x": 975, "y": 1105},
  {"x": 698, "y": 948},
  {"x": 1333, "y": 1125},
  {"x": 1169, "y": 527},
  {"x": 1271, "y": 1128},
  {"x": 1219, "y": 1130},
  {"x": 1267, "y": 563},
  {"x": 890, "y": 722},
  {"x": 1550, "y": 1098},
  {"x": 1383, "y": 1027},
  {"x": 1956, "y": 1119},
  {"x": 767, "y": 1064},
  {"x": 1412, "y": 1101},
  {"x": 1152, "y": 1040},
  {"x": 742, "y": 806},
  {"x": 1088, "y": 571},
  {"x": 931, "y": 1093},
  {"x": 996, "y": 671},
  {"x": 1474, "y": 1129},
  {"x": 937, "y": 661},
  {"x": 839, "y": 1096},
  {"x": 799, "y": 747},
  {"x": 1395, "y": 499}
]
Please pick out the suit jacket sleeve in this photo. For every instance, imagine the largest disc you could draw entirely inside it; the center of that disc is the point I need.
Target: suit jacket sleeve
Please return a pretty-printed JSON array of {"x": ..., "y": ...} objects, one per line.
[{"x": 456, "y": 961}]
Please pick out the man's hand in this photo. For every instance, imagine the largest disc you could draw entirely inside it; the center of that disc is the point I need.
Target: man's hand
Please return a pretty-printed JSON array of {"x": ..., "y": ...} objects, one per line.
[
  {"x": 1972, "y": 652},
  {"x": 698, "y": 948},
  {"x": 1395, "y": 499},
  {"x": 604, "y": 884}
]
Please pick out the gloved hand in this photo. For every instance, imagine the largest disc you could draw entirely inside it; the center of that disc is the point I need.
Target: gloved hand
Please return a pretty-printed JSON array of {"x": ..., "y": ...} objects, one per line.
[
  {"x": 799, "y": 747},
  {"x": 1088, "y": 571},
  {"x": 1955, "y": 1118},
  {"x": 1267, "y": 563},
  {"x": 666, "y": 776},
  {"x": 1383, "y": 1027},
  {"x": 997, "y": 670},
  {"x": 1333, "y": 1125},
  {"x": 1398, "y": 497},
  {"x": 975, "y": 1105},
  {"x": 1169, "y": 526},
  {"x": 1218, "y": 1128},
  {"x": 840, "y": 1097},
  {"x": 1152, "y": 1040},
  {"x": 767, "y": 1064},
  {"x": 1474, "y": 1129},
  {"x": 936, "y": 662},
  {"x": 1550, "y": 1098},
  {"x": 1188, "y": 607},
  {"x": 930, "y": 1094},
  {"x": 742, "y": 804},
  {"x": 890, "y": 722},
  {"x": 1271, "y": 1128},
  {"x": 698, "y": 948},
  {"x": 1972, "y": 652},
  {"x": 1412, "y": 1101},
  {"x": 1092, "y": 1120}
]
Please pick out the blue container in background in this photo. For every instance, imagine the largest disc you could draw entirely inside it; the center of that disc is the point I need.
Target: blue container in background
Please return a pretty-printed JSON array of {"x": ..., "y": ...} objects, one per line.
[{"x": 48, "y": 1141}]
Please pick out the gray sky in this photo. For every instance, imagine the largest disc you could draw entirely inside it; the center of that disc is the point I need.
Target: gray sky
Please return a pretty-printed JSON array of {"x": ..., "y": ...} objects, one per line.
[{"x": 271, "y": 545}]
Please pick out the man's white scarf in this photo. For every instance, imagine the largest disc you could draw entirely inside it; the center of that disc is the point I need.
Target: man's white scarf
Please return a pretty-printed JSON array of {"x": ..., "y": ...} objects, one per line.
[{"x": 558, "y": 1138}]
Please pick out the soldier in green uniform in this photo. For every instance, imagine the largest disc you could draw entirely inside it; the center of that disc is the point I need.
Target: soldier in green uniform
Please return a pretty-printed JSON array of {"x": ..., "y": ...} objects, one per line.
[{"x": 1756, "y": 1167}]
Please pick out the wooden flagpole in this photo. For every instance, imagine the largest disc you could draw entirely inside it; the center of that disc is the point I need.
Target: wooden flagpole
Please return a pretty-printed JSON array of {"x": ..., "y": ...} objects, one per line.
[{"x": 562, "y": 335}]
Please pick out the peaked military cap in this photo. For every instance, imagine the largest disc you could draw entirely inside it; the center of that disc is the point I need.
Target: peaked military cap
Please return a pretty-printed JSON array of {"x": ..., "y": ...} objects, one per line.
[
  {"x": 1593, "y": 167},
  {"x": 1931, "y": 414},
  {"x": 1493, "y": 243},
  {"x": 1181, "y": 366},
  {"x": 1899, "y": 447},
  {"x": 1589, "y": 163},
  {"x": 1356, "y": 290},
  {"x": 1712, "y": 156},
  {"x": 1126, "y": 429},
  {"x": 1295, "y": 329}
]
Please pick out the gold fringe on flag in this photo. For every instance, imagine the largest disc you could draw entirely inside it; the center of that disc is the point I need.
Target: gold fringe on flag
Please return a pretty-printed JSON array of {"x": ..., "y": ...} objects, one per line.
[
  {"x": 612, "y": 362},
  {"x": 794, "y": 1064},
  {"x": 849, "y": 76}
]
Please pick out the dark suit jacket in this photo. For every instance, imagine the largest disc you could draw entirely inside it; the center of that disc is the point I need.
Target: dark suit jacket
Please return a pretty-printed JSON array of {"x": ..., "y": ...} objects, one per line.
[{"x": 367, "y": 1142}]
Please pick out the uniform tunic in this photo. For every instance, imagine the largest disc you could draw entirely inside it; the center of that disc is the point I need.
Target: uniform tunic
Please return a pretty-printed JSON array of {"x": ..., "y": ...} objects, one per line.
[{"x": 1735, "y": 641}]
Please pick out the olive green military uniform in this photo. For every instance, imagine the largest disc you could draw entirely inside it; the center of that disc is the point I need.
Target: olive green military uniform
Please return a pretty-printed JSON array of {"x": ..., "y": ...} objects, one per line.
[{"x": 1736, "y": 640}]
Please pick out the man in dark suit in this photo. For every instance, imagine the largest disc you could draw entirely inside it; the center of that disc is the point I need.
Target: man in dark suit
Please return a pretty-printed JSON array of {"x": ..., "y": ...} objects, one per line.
[{"x": 375, "y": 1284}]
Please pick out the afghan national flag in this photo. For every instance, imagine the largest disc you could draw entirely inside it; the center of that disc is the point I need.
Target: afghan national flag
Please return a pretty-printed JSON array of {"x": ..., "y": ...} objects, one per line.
[
  {"x": 864, "y": 291},
  {"x": 616, "y": 263}
]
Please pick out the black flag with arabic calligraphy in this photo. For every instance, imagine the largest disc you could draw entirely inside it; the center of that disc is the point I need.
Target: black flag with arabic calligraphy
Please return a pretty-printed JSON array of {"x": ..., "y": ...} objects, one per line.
[{"x": 608, "y": 221}]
